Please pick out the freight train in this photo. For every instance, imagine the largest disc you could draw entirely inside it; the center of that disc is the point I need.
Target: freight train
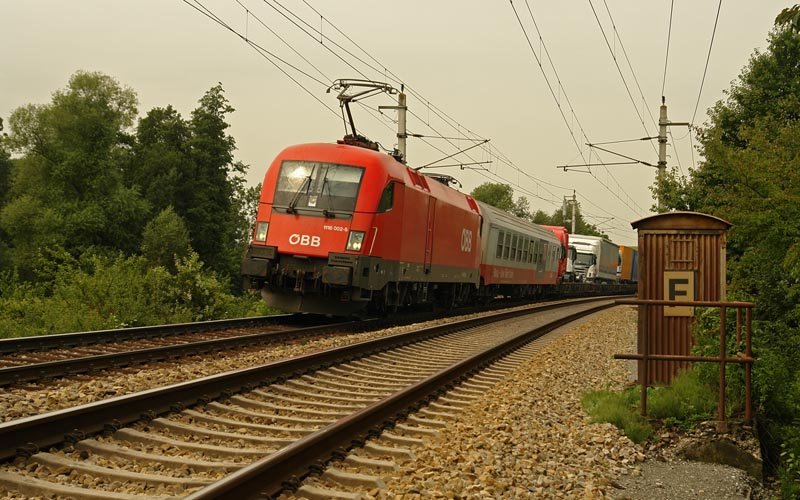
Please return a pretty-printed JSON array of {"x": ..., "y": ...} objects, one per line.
[{"x": 342, "y": 228}]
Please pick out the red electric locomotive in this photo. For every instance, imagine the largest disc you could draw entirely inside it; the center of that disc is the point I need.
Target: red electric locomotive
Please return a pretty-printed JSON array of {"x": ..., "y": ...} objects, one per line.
[{"x": 340, "y": 227}]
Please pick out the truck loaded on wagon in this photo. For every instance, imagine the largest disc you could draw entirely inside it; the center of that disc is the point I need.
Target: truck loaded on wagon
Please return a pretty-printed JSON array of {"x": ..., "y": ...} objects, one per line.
[{"x": 596, "y": 259}]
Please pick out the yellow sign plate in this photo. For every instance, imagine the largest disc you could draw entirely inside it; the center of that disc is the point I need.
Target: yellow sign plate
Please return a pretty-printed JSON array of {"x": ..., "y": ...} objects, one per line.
[{"x": 679, "y": 286}]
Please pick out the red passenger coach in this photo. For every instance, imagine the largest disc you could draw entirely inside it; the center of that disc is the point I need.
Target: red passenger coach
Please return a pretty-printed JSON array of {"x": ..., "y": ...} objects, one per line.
[
  {"x": 563, "y": 237},
  {"x": 340, "y": 227}
]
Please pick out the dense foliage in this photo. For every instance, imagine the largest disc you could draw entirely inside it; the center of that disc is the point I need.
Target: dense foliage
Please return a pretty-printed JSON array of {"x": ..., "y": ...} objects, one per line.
[
  {"x": 751, "y": 177},
  {"x": 107, "y": 221},
  {"x": 502, "y": 196}
]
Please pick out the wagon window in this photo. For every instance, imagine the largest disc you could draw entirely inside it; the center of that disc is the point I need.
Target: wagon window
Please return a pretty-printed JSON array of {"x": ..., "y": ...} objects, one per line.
[
  {"x": 507, "y": 245},
  {"x": 514, "y": 247},
  {"x": 499, "y": 253}
]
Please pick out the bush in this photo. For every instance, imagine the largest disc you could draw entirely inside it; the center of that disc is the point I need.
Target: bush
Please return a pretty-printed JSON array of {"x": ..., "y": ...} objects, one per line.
[
  {"x": 166, "y": 239},
  {"x": 99, "y": 292}
]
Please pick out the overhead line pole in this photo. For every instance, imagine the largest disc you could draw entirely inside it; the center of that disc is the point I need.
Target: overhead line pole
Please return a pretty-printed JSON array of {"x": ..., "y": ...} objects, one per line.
[{"x": 663, "y": 123}]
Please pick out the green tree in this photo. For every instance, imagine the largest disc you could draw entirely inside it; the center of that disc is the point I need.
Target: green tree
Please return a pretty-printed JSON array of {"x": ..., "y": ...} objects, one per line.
[
  {"x": 67, "y": 188},
  {"x": 189, "y": 165},
  {"x": 495, "y": 194},
  {"x": 790, "y": 17},
  {"x": 5, "y": 166},
  {"x": 502, "y": 196},
  {"x": 557, "y": 219},
  {"x": 166, "y": 240},
  {"x": 211, "y": 150},
  {"x": 160, "y": 165},
  {"x": 5, "y": 183}
]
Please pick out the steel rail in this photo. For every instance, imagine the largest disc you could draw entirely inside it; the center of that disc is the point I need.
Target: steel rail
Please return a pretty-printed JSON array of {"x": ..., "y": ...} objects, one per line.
[
  {"x": 29, "y": 434},
  {"x": 63, "y": 340},
  {"x": 58, "y": 368},
  {"x": 283, "y": 469}
]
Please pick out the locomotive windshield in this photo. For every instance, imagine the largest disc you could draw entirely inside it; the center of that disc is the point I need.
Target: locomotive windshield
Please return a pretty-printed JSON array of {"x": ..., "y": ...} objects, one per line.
[{"x": 325, "y": 187}]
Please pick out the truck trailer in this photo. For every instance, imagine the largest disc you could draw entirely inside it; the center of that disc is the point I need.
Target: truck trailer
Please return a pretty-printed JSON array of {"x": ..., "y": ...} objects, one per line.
[{"x": 628, "y": 264}]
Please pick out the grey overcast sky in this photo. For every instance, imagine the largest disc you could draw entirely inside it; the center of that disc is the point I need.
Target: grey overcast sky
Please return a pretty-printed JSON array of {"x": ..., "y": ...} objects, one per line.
[{"x": 468, "y": 59}]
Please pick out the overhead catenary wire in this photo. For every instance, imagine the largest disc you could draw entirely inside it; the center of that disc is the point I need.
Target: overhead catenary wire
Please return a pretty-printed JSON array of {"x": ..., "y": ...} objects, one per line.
[
  {"x": 708, "y": 57},
  {"x": 572, "y": 110},
  {"x": 630, "y": 66},
  {"x": 266, "y": 54},
  {"x": 437, "y": 111},
  {"x": 669, "y": 36},
  {"x": 491, "y": 149},
  {"x": 619, "y": 70},
  {"x": 558, "y": 103},
  {"x": 675, "y": 150},
  {"x": 464, "y": 132}
]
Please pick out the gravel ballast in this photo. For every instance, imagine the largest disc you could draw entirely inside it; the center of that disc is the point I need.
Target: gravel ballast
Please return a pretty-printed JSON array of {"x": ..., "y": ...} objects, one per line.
[{"x": 528, "y": 436}]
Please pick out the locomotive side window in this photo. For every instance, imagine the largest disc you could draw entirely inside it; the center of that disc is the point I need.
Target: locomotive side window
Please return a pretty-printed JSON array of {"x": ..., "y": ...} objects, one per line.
[
  {"x": 324, "y": 187},
  {"x": 387, "y": 198}
]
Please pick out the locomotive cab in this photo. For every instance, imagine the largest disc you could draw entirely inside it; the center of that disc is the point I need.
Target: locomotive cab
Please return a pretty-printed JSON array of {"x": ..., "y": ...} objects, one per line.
[{"x": 311, "y": 227}]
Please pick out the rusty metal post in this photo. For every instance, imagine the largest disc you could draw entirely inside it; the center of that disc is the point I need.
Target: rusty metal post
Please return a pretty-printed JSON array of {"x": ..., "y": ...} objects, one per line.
[
  {"x": 738, "y": 326},
  {"x": 748, "y": 367},
  {"x": 645, "y": 361},
  {"x": 721, "y": 425}
]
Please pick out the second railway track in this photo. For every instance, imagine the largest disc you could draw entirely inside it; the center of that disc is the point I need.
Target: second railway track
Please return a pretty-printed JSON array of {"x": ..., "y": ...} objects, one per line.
[
  {"x": 29, "y": 359},
  {"x": 283, "y": 416}
]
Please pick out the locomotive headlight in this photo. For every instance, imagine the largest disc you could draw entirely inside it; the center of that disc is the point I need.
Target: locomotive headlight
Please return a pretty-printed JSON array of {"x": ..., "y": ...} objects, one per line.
[
  {"x": 261, "y": 231},
  {"x": 354, "y": 241}
]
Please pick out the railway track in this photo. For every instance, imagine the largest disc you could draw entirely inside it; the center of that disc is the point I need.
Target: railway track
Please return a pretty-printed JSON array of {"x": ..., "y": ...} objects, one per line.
[
  {"x": 33, "y": 358},
  {"x": 29, "y": 359},
  {"x": 221, "y": 436}
]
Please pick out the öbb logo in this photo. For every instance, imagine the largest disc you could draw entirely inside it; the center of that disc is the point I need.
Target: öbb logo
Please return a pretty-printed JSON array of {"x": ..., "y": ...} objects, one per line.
[
  {"x": 304, "y": 240},
  {"x": 466, "y": 240}
]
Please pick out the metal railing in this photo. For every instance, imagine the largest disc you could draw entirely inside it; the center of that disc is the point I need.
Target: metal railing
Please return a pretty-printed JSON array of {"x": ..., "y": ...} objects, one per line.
[{"x": 745, "y": 358}]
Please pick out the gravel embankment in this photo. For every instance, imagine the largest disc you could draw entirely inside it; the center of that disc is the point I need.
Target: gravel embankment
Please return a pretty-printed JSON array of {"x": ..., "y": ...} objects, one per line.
[
  {"x": 528, "y": 437},
  {"x": 36, "y": 398}
]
